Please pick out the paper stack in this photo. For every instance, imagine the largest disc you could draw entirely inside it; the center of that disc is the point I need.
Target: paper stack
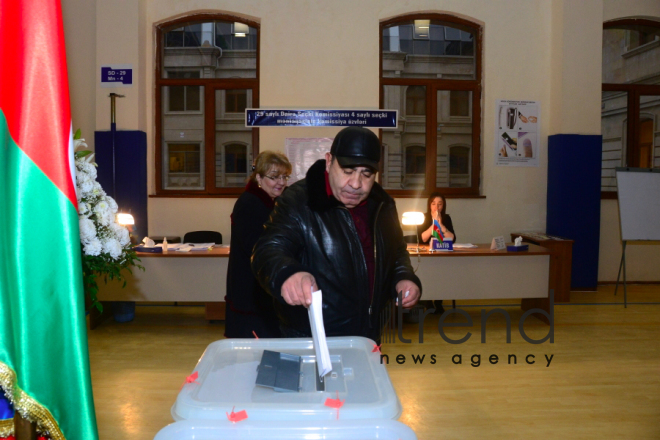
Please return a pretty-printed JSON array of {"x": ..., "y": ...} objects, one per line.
[
  {"x": 200, "y": 246},
  {"x": 315, "y": 311}
]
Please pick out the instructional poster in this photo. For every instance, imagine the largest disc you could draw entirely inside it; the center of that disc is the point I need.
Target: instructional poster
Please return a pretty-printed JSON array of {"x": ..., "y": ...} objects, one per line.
[
  {"x": 303, "y": 152},
  {"x": 517, "y": 133}
]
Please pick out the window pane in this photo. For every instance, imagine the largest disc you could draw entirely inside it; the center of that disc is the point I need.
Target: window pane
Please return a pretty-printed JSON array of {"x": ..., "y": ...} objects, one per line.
[
  {"x": 649, "y": 134},
  {"x": 416, "y": 100},
  {"x": 174, "y": 38},
  {"x": 404, "y": 148},
  {"x": 193, "y": 35},
  {"x": 177, "y": 97},
  {"x": 422, "y": 47},
  {"x": 183, "y": 98},
  {"x": 239, "y": 50},
  {"x": 614, "y": 110},
  {"x": 182, "y": 74},
  {"x": 459, "y": 103},
  {"x": 437, "y": 32},
  {"x": 183, "y": 141},
  {"x": 235, "y": 158},
  {"x": 236, "y": 101},
  {"x": 192, "y": 98},
  {"x": 406, "y": 53},
  {"x": 220, "y": 49},
  {"x": 454, "y": 147},
  {"x": 452, "y": 34},
  {"x": 233, "y": 141},
  {"x": 459, "y": 160},
  {"x": 630, "y": 54},
  {"x": 452, "y": 48}
]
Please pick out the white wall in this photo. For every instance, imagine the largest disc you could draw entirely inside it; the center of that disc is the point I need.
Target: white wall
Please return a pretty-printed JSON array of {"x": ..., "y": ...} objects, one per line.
[
  {"x": 334, "y": 64},
  {"x": 324, "y": 54},
  {"x": 79, "y": 36}
]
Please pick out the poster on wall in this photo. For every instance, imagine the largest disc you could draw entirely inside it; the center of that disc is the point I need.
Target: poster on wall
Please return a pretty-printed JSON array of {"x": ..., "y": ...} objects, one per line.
[
  {"x": 303, "y": 152},
  {"x": 517, "y": 128}
]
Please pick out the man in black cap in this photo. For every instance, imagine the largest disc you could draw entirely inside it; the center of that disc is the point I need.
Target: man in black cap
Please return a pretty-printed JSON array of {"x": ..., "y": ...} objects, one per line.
[{"x": 337, "y": 230}]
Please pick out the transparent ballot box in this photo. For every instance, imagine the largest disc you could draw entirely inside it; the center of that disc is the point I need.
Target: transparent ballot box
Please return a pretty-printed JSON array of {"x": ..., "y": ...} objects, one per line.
[
  {"x": 226, "y": 382},
  {"x": 368, "y": 429}
]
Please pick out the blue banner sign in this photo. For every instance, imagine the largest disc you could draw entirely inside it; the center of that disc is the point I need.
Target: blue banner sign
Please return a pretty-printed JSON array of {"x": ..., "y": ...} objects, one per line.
[
  {"x": 113, "y": 76},
  {"x": 321, "y": 118}
]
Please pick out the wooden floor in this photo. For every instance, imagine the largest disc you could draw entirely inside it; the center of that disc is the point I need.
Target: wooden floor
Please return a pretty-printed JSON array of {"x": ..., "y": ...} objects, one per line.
[{"x": 603, "y": 381}]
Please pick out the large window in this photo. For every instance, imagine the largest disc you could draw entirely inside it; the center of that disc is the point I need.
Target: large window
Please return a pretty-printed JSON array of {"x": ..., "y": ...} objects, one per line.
[
  {"x": 431, "y": 74},
  {"x": 630, "y": 106},
  {"x": 206, "y": 76}
]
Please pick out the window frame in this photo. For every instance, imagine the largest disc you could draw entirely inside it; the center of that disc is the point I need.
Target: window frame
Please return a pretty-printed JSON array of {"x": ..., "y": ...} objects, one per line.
[
  {"x": 208, "y": 98},
  {"x": 634, "y": 93},
  {"x": 433, "y": 86}
]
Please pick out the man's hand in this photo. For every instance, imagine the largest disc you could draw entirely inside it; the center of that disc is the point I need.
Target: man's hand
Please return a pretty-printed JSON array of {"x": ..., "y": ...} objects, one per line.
[
  {"x": 404, "y": 286},
  {"x": 297, "y": 289}
]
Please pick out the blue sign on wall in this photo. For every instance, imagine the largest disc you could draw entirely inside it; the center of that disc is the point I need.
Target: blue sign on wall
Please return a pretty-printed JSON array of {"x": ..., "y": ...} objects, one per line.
[
  {"x": 321, "y": 118},
  {"x": 117, "y": 76}
]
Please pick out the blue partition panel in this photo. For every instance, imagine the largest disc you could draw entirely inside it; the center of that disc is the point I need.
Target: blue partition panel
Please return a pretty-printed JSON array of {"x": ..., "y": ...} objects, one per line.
[
  {"x": 574, "y": 167},
  {"x": 130, "y": 173}
]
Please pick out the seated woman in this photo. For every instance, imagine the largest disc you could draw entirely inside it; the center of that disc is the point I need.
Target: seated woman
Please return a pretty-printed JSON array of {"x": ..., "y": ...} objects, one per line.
[
  {"x": 250, "y": 309},
  {"x": 435, "y": 209}
]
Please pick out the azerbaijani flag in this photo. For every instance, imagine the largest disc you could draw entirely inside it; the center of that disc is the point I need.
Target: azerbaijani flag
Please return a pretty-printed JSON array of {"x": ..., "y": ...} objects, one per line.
[
  {"x": 44, "y": 363},
  {"x": 437, "y": 231}
]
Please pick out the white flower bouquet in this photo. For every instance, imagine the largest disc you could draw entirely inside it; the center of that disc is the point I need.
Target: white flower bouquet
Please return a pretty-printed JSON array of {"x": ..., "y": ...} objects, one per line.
[{"x": 106, "y": 245}]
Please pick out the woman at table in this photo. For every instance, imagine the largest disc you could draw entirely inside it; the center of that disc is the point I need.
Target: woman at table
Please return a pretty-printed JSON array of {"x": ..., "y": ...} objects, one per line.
[
  {"x": 436, "y": 207},
  {"x": 250, "y": 309}
]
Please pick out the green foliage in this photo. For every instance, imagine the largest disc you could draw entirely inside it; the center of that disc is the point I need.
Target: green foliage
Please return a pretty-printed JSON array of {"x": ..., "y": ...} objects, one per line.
[{"x": 83, "y": 153}]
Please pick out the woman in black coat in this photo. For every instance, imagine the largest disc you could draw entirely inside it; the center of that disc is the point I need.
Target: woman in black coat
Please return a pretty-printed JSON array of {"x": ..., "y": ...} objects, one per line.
[
  {"x": 250, "y": 309},
  {"x": 436, "y": 207}
]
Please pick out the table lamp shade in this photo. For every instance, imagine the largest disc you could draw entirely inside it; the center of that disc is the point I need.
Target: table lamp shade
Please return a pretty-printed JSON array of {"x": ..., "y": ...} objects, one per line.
[
  {"x": 412, "y": 218},
  {"x": 125, "y": 219}
]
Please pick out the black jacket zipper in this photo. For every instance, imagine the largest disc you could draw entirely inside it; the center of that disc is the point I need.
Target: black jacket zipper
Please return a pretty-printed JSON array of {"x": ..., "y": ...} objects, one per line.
[{"x": 373, "y": 294}]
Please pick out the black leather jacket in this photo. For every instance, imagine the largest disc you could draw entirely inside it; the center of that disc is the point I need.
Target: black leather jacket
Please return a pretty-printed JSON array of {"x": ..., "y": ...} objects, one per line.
[{"x": 311, "y": 232}]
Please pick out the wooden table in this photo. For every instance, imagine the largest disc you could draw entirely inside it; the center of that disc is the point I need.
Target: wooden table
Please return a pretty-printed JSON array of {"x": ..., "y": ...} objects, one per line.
[
  {"x": 477, "y": 273},
  {"x": 560, "y": 262},
  {"x": 195, "y": 276},
  {"x": 481, "y": 273}
]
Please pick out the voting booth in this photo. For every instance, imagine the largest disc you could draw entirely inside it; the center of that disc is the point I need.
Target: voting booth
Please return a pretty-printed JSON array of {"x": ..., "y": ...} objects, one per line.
[{"x": 355, "y": 401}]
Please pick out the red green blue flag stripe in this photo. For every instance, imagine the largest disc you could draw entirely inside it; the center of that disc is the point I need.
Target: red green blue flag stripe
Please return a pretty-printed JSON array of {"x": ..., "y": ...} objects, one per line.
[
  {"x": 437, "y": 231},
  {"x": 44, "y": 363}
]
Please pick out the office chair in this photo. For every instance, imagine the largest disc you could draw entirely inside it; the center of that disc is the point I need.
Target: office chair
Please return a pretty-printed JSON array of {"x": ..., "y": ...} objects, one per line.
[{"x": 203, "y": 237}]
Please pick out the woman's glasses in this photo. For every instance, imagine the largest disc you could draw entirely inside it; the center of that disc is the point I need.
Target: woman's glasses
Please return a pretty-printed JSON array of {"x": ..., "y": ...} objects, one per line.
[{"x": 281, "y": 178}]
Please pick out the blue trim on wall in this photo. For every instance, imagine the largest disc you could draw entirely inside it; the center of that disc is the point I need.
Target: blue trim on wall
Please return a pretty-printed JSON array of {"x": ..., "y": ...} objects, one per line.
[
  {"x": 131, "y": 172},
  {"x": 574, "y": 181}
]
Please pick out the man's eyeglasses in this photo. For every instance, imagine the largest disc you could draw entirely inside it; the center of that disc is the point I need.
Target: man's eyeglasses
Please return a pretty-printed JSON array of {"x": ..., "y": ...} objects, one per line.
[{"x": 280, "y": 178}]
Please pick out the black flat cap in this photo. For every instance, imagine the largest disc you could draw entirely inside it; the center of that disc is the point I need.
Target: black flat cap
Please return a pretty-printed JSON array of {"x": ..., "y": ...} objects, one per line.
[{"x": 356, "y": 146}]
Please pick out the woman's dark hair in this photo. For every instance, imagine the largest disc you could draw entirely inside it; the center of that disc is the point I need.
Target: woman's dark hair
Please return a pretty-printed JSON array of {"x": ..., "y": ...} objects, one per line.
[{"x": 433, "y": 196}]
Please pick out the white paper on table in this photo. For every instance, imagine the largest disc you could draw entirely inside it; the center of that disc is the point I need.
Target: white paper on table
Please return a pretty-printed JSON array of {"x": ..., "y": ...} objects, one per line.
[
  {"x": 201, "y": 246},
  {"x": 464, "y": 245},
  {"x": 173, "y": 246},
  {"x": 315, "y": 311}
]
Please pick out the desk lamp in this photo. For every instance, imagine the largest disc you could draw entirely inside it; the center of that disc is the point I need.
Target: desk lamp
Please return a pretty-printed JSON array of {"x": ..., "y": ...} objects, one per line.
[
  {"x": 128, "y": 221},
  {"x": 413, "y": 218},
  {"x": 125, "y": 219}
]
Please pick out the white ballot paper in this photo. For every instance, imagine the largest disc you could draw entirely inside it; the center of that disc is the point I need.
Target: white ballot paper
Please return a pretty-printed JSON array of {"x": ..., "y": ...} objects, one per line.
[{"x": 315, "y": 311}]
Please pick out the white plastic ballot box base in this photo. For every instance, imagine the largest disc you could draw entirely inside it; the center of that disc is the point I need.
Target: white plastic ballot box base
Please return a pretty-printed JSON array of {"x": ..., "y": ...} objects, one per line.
[
  {"x": 227, "y": 373},
  {"x": 302, "y": 430}
]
